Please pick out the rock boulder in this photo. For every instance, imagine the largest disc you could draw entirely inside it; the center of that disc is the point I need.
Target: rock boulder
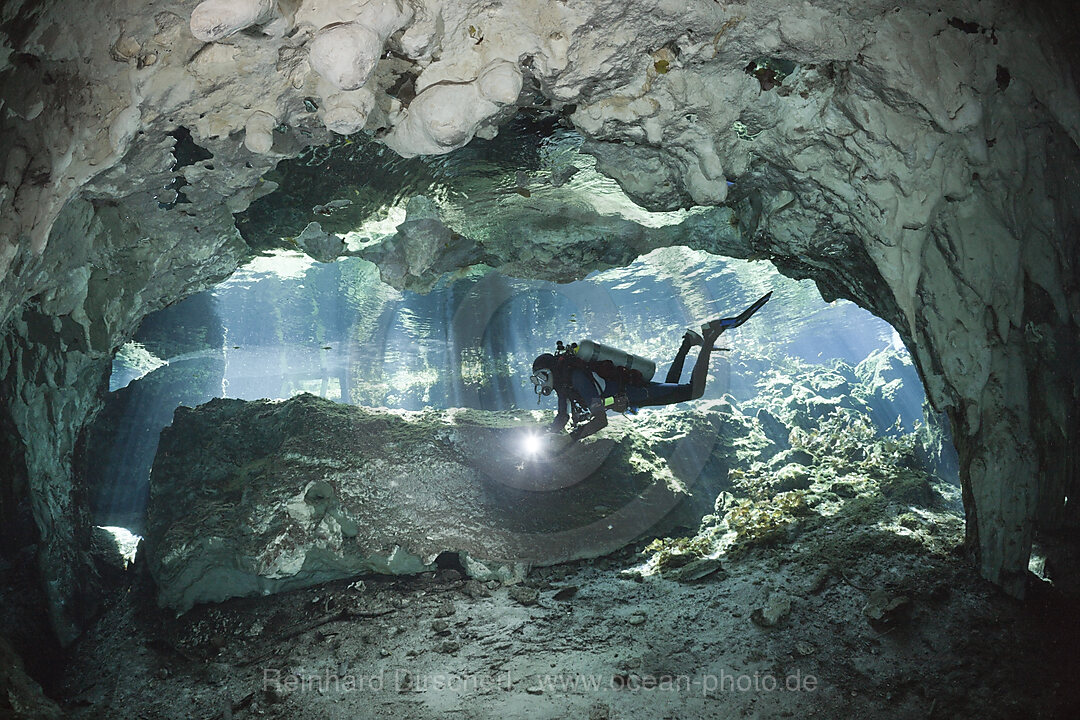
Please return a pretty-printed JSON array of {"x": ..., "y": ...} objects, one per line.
[{"x": 251, "y": 498}]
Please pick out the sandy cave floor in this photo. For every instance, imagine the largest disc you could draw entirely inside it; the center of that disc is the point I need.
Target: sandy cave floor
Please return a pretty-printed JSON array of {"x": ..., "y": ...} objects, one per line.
[{"x": 591, "y": 640}]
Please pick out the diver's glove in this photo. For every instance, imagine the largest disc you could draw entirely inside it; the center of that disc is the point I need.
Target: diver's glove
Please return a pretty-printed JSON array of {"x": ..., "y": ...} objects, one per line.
[{"x": 558, "y": 424}]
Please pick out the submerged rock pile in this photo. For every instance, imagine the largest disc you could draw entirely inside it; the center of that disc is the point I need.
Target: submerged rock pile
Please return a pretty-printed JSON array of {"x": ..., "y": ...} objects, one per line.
[
  {"x": 251, "y": 498},
  {"x": 824, "y": 455}
]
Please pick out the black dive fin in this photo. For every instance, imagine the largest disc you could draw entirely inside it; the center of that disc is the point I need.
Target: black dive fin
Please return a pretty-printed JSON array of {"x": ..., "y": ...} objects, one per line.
[{"x": 728, "y": 323}]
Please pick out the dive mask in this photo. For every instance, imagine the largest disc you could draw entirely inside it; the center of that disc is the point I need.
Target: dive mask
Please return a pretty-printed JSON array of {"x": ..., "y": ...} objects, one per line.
[{"x": 543, "y": 382}]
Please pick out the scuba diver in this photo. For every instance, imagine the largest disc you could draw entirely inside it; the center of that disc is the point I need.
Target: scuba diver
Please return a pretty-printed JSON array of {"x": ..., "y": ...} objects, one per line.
[{"x": 574, "y": 374}]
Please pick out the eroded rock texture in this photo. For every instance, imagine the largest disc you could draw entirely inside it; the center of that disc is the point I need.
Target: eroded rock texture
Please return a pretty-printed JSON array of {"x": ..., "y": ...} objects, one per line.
[
  {"x": 54, "y": 363},
  {"x": 249, "y": 498},
  {"x": 917, "y": 158}
]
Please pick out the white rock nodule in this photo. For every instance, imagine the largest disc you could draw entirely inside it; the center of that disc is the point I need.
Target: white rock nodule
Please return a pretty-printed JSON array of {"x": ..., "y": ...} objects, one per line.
[
  {"x": 259, "y": 132},
  {"x": 346, "y": 112},
  {"x": 214, "y": 20},
  {"x": 445, "y": 117},
  {"x": 345, "y": 54}
]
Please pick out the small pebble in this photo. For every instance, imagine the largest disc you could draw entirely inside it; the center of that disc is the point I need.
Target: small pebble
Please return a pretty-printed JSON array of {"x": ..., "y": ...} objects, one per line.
[{"x": 524, "y": 595}]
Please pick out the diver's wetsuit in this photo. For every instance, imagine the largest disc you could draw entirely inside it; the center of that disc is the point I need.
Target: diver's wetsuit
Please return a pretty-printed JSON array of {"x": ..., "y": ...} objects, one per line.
[
  {"x": 575, "y": 383},
  {"x": 580, "y": 385}
]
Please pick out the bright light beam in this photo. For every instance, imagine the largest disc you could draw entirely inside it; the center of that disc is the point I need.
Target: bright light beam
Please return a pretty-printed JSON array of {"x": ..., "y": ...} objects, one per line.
[{"x": 532, "y": 443}]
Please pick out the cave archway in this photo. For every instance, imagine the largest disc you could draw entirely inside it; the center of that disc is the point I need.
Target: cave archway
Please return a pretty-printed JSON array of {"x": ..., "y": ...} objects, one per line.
[{"x": 918, "y": 160}]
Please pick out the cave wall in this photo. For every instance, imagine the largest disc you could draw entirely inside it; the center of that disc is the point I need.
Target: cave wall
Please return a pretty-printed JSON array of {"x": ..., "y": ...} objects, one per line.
[
  {"x": 97, "y": 230},
  {"x": 918, "y": 159},
  {"x": 54, "y": 365}
]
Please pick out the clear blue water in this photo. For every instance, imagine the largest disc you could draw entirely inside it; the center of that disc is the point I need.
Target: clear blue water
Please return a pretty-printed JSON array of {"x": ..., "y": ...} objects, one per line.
[{"x": 284, "y": 324}]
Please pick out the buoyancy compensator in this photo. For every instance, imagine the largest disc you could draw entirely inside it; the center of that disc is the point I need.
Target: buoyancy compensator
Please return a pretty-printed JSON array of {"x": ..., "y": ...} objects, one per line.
[
  {"x": 592, "y": 351},
  {"x": 609, "y": 363}
]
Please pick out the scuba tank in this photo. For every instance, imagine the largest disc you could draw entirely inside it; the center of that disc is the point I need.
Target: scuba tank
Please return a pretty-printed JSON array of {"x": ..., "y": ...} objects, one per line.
[{"x": 590, "y": 351}]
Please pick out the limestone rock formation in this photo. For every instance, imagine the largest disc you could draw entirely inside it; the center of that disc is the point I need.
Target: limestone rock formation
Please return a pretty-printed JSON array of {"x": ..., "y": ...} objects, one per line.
[
  {"x": 21, "y": 697},
  {"x": 916, "y": 158},
  {"x": 250, "y": 498},
  {"x": 445, "y": 117}
]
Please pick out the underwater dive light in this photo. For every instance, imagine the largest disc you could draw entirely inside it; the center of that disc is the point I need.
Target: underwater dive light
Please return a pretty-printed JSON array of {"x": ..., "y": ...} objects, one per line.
[{"x": 532, "y": 443}]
